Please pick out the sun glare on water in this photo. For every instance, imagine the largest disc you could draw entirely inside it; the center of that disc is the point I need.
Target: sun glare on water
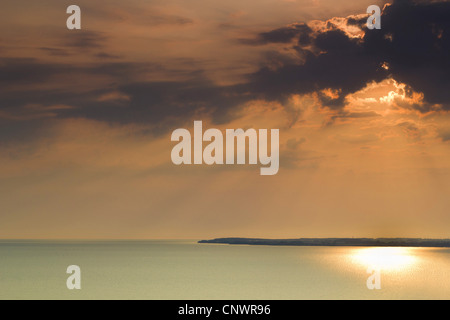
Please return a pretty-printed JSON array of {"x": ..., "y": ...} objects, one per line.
[{"x": 385, "y": 258}]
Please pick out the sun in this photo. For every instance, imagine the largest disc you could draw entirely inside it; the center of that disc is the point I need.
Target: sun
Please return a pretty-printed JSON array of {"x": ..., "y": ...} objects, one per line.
[{"x": 385, "y": 258}]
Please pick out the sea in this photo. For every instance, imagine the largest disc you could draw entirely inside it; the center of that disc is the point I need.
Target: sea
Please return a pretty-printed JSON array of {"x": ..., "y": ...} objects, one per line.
[{"x": 184, "y": 269}]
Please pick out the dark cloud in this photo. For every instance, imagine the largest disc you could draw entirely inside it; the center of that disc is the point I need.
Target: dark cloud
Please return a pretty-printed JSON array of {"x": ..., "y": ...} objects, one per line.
[
  {"x": 104, "y": 55},
  {"x": 414, "y": 41},
  {"x": 410, "y": 129},
  {"x": 83, "y": 39},
  {"x": 55, "y": 51},
  {"x": 155, "y": 102},
  {"x": 358, "y": 22},
  {"x": 367, "y": 114},
  {"x": 182, "y": 99},
  {"x": 19, "y": 77},
  {"x": 356, "y": 115},
  {"x": 159, "y": 19},
  {"x": 26, "y": 71},
  {"x": 344, "y": 66},
  {"x": 299, "y": 32},
  {"x": 445, "y": 135}
]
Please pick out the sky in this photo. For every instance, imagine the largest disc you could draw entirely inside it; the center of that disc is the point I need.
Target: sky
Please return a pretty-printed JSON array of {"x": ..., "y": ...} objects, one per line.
[{"x": 86, "y": 118}]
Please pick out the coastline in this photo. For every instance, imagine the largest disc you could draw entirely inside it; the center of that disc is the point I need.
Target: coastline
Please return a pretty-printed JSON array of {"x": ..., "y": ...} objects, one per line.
[{"x": 341, "y": 242}]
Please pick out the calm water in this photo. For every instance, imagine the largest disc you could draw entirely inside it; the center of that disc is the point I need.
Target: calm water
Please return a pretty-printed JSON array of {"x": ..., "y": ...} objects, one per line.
[{"x": 187, "y": 270}]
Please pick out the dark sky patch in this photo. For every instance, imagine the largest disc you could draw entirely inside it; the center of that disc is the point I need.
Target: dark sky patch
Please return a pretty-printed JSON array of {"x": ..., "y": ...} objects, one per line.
[{"x": 414, "y": 41}]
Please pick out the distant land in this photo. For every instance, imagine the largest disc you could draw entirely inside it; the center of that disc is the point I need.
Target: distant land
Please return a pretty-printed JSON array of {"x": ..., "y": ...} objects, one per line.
[{"x": 353, "y": 242}]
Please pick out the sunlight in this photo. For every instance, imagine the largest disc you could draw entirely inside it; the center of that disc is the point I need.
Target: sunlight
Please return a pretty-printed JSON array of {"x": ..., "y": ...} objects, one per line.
[{"x": 385, "y": 258}]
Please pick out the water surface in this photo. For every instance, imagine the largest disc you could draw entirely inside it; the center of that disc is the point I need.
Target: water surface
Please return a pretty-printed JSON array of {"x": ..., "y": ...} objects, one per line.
[{"x": 175, "y": 269}]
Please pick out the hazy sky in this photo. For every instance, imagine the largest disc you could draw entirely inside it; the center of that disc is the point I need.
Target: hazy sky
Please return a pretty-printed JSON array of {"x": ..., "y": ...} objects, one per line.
[{"x": 86, "y": 117}]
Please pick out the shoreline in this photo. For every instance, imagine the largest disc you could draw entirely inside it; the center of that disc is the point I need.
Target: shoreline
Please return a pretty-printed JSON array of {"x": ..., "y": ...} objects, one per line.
[{"x": 335, "y": 242}]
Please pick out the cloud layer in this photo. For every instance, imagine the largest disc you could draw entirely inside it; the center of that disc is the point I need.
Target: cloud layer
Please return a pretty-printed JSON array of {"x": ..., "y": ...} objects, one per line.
[{"x": 412, "y": 47}]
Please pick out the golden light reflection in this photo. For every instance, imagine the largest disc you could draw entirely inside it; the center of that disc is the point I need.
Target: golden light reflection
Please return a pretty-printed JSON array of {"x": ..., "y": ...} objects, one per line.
[{"x": 385, "y": 258}]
